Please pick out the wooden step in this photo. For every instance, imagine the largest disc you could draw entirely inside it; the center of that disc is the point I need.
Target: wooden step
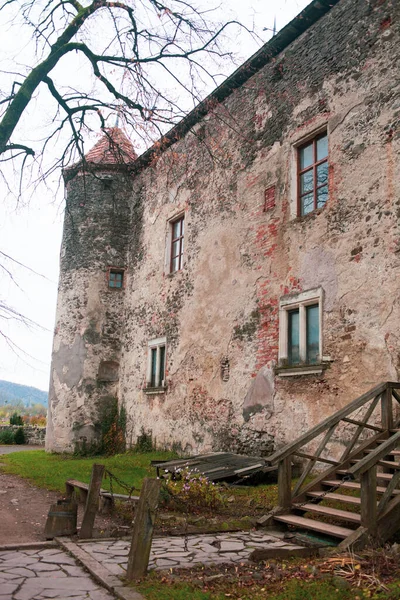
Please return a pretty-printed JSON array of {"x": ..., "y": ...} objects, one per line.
[
  {"x": 391, "y": 464},
  {"x": 336, "y": 497},
  {"x": 326, "y": 528},
  {"x": 343, "y": 515},
  {"x": 379, "y": 475},
  {"x": 353, "y": 485}
]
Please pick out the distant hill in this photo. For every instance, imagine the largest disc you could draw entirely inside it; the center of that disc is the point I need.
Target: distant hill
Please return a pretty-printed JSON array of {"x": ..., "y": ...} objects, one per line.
[{"x": 12, "y": 392}]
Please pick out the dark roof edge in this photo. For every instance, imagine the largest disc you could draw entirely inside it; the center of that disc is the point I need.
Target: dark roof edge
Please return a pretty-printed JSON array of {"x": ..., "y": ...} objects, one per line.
[
  {"x": 89, "y": 167},
  {"x": 310, "y": 15}
]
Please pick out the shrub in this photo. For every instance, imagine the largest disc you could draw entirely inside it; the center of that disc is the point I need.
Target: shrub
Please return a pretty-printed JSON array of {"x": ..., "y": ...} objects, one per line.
[
  {"x": 144, "y": 442},
  {"x": 6, "y": 437},
  {"x": 194, "y": 490},
  {"x": 19, "y": 436},
  {"x": 16, "y": 419}
]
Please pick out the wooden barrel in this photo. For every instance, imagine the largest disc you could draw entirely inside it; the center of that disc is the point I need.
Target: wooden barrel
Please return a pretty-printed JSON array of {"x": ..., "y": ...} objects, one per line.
[{"x": 61, "y": 519}]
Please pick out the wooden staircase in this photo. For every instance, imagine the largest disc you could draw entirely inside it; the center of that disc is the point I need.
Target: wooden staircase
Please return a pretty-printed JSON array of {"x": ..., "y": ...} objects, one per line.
[{"x": 354, "y": 498}]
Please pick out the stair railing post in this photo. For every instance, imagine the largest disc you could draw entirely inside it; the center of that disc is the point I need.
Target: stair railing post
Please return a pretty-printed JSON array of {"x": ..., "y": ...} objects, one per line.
[
  {"x": 387, "y": 408},
  {"x": 368, "y": 500},
  {"x": 285, "y": 482}
]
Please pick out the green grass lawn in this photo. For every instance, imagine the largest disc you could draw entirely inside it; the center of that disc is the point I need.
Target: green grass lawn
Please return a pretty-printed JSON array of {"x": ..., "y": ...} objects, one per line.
[{"x": 51, "y": 471}]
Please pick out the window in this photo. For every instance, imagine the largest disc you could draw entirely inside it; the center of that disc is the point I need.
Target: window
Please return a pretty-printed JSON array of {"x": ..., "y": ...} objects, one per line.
[
  {"x": 300, "y": 325},
  {"x": 312, "y": 169},
  {"x": 177, "y": 230},
  {"x": 116, "y": 278},
  {"x": 156, "y": 363}
]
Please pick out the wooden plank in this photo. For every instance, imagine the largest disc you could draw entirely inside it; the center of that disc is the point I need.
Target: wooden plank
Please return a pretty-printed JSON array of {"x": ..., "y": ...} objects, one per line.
[
  {"x": 389, "y": 464},
  {"x": 343, "y": 515},
  {"x": 336, "y": 497},
  {"x": 327, "y": 528},
  {"x": 387, "y": 409},
  {"x": 142, "y": 535},
  {"x": 353, "y": 485},
  {"x": 92, "y": 502},
  {"x": 368, "y": 500},
  {"x": 315, "y": 485},
  {"x": 372, "y": 458},
  {"x": 315, "y": 458},
  {"x": 359, "y": 429},
  {"x": 326, "y": 423},
  {"x": 362, "y": 424},
  {"x": 389, "y": 492},
  {"x": 312, "y": 462},
  {"x": 285, "y": 483}
]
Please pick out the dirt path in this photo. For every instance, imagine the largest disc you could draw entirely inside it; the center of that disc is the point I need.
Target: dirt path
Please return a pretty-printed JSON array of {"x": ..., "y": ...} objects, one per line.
[{"x": 24, "y": 509}]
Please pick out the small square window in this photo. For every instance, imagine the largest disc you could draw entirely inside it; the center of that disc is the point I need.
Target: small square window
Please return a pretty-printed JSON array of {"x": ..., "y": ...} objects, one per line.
[
  {"x": 312, "y": 174},
  {"x": 156, "y": 363},
  {"x": 116, "y": 278},
  {"x": 177, "y": 243},
  {"x": 300, "y": 324}
]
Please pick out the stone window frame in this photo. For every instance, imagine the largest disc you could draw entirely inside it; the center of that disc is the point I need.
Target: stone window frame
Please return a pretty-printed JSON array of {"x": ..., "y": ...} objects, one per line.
[
  {"x": 299, "y": 301},
  {"x": 298, "y": 140},
  {"x": 159, "y": 385},
  {"x": 170, "y": 241},
  {"x": 119, "y": 271}
]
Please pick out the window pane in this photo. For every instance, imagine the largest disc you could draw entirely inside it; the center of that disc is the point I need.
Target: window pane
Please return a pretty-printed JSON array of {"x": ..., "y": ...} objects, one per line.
[
  {"x": 312, "y": 317},
  {"x": 176, "y": 229},
  {"x": 293, "y": 338},
  {"x": 322, "y": 174},
  {"x": 322, "y": 196},
  {"x": 306, "y": 156},
  {"x": 307, "y": 204},
  {"x": 322, "y": 147},
  {"x": 175, "y": 264},
  {"x": 307, "y": 182},
  {"x": 153, "y": 377},
  {"x": 175, "y": 249},
  {"x": 115, "y": 279},
  {"x": 162, "y": 365}
]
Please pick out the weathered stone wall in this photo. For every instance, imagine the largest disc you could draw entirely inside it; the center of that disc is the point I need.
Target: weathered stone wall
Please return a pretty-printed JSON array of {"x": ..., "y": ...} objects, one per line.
[
  {"x": 89, "y": 313},
  {"x": 245, "y": 249},
  {"x": 234, "y": 178},
  {"x": 35, "y": 436}
]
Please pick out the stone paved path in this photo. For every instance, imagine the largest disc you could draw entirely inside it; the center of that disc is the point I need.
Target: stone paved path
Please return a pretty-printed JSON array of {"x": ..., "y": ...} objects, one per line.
[
  {"x": 170, "y": 552},
  {"x": 44, "y": 574}
]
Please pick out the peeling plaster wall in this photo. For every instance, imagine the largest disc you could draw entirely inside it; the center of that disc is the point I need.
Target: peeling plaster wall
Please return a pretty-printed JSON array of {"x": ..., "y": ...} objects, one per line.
[
  {"x": 89, "y": 314},
  {"x": 233, "y": 177}
]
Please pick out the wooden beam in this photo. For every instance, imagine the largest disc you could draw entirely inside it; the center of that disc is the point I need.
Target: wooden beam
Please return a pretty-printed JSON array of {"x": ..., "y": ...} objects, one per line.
[
  {"x": 329, "y": 422},
  {"x": 285, "y": 483},
  {"x": 142, "y": 535},
  {"x": 362, "y": 424},
  {"x": 387, "y": 409},
  {"x": 360, "y": 429},
  {"x": 92, "y": 502},
  {"x": 373, "y": 457},
  {"x": 311, "y": 464},
  {"x": 368, "y": 500},
  {"x": 327, "y": 461}
]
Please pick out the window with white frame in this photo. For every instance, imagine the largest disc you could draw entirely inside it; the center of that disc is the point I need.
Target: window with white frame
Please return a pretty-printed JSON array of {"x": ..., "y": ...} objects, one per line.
[
  {"x": 156, "y": 363},
  {"x": 177, "y": 241},
  {"x": 300, "y": 329}
]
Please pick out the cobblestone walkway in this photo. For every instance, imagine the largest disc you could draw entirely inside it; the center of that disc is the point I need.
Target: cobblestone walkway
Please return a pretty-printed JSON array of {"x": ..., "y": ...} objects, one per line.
[
  {"x": 170, "y": 552},
  {"x": 44, "y": 574}
]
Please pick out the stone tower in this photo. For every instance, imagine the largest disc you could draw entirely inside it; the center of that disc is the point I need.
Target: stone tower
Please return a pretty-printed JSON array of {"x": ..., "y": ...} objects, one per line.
[{"x": 87, "y": 343}]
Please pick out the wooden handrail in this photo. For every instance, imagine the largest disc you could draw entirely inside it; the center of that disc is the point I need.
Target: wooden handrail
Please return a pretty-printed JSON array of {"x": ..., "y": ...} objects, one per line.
[
  {"x": 373, "y": 457},
  {"x": 331, "y": 421}
]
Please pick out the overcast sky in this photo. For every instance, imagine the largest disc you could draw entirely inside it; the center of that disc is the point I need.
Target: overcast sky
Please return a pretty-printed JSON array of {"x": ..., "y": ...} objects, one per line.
[{"x": 31, "y": 230}]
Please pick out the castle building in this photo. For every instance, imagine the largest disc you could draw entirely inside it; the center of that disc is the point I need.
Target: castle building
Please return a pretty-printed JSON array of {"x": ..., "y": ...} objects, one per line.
[{"x": 239, "y": 281}]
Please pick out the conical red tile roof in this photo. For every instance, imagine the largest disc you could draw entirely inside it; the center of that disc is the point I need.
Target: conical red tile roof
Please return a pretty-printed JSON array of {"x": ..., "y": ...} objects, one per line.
[{"x": 113, "y": 148}]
